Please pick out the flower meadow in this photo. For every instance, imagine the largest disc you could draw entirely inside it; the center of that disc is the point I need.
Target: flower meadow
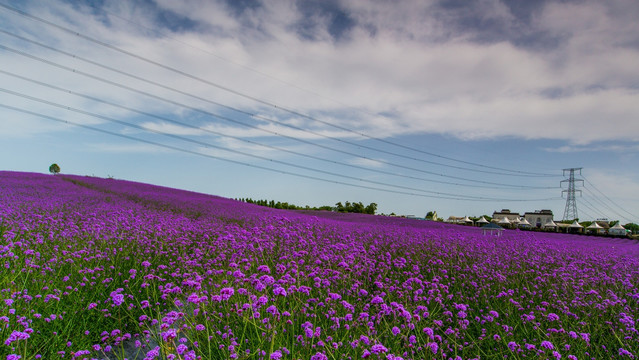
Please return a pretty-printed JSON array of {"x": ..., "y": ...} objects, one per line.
[{"x": 107, "y": 269}]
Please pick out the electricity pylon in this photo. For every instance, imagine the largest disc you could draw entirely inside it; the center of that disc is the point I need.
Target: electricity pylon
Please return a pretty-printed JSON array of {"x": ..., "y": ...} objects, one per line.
[{"x": 570, "y": 213}]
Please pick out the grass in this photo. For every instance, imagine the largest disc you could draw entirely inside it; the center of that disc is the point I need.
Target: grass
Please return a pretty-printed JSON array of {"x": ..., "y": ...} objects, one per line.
[{"x": 95, "y": 268}]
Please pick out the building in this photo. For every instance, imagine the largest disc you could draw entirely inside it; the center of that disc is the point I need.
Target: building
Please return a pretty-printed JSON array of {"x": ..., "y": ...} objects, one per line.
[
  {"x": 505, "y": 213},
  {"x": 618, "y": 230},
  {"x": 539, "y": 218}
]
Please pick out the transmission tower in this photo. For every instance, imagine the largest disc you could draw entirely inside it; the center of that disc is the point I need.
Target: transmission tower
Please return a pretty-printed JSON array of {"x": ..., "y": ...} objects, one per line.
[{"x": 570, "y": 213}]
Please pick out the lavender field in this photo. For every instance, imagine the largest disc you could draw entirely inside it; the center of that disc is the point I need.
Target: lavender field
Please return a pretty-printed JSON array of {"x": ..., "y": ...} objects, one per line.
[{"x": 107, "y": 269}]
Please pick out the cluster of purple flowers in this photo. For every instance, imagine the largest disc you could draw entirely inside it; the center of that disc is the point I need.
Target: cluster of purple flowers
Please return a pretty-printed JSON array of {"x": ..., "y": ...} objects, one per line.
[{"x": 96, "y": 266}]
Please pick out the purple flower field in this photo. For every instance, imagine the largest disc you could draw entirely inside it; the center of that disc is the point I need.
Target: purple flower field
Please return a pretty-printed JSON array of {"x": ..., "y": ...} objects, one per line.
[{"x": 108, "y": 269}]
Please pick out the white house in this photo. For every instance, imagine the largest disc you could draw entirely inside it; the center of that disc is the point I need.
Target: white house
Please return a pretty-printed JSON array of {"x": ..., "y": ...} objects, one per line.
[
  {"x": 505, "y": 213},
  {"x": 617, "y": 230},
  {"x": 539, "y": 217}
]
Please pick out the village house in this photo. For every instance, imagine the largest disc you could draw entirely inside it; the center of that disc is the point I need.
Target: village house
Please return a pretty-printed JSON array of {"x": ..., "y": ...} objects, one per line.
[
  {"x": 539, "y": 218},
  {"x": 505, "y": 213}
]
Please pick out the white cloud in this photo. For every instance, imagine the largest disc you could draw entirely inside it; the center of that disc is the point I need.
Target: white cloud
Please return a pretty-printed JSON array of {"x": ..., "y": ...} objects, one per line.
[
  {"x": 399, "y": 60},
  {"x": 126, "y": 148},
  {"x": 370, "y": 163}
]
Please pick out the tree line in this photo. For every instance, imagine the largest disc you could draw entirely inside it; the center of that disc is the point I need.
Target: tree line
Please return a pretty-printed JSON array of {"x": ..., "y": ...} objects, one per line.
[{"x": 349, "y": 207}]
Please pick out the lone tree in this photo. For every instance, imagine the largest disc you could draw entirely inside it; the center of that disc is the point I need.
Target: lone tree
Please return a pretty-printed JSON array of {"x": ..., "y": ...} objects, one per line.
[{"x": 54, "y": 169}]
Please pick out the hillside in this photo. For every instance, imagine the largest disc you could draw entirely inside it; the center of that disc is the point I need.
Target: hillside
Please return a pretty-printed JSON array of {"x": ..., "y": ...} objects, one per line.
[{"x": 103, "y": 268}]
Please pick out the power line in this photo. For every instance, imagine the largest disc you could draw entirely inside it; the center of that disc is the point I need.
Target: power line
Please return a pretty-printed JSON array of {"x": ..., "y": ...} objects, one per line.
[
  {"x": 201, "y": 143},
  {"x": 314, "y": 93},
  {"x": 599, "y": 201},
  {"x": 270, "y": 104},
  {"x": 75, "y": 71},
  {"x": 240, "y": 162},
  {"x": 612, "y": 202},
  {"x": 144, "y": 113},
  {"x": 244, "y": 112},
  {"x": 591, "y": 206}
]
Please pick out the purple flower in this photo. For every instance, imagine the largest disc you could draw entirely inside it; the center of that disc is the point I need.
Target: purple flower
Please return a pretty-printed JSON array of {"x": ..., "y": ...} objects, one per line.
[
  {"x": 116, "y": 297},
  {"x": 277, "y": 355},
  {"x": 193, "y": 298},
  {"x": 153, "y": 353},
  {"x": 623, "y": 352},
  {"x": 377, "y": 300},
  {"x": 309, "y": 332},
  {"x": 433, "y": 347},
  {"x": 279, "y": 291},
  {"x": 13, "y": 357},
  {"x": 181, "y": 349},
  {"x": 429, "y": 332},
  {"x": 552, "y": 317},
  {"x": 15, "y": 336},
  {"x": 395, "y": 330},
  {"x": 547, "y": 345},
  {"x": 378, "y": 348},
  {"x": 319, "y": 356},
  {"x": 227, "y": 292}
]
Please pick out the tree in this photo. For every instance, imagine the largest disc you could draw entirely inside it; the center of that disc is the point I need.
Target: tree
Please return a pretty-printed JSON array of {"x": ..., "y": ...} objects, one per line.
[
  {"x": 431, "y": 215},
  {"x": 632, "y": 227},
  {"x": 54, "y": 169},
  {"x": 371, "y": 208}
]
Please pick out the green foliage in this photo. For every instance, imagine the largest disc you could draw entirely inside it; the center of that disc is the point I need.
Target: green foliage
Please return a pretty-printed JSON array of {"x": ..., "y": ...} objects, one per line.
[
  {"x": 54, "y": 169},
  {"x": 356, "y": 207},
  {"x": 632, "y": 227}
]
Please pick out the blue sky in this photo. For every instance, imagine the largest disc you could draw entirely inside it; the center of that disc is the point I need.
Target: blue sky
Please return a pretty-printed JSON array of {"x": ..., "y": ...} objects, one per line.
[{"x": 455, "y": 106}]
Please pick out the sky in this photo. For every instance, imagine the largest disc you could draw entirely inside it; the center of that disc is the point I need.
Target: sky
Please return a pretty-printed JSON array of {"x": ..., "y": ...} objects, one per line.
[{"x": 462, "y": 107}]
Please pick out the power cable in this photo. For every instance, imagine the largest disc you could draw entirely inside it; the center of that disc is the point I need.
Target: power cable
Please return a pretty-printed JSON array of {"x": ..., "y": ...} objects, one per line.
[
  {"x": 240, "y": 162},
  {"x": 144, "y": 113},
  {"x": 595, "y": 198},
  {"x": 250, "y": 114},
  {"x": 201, "y": 143},
  {"x": 75, "y": 71},
  {"x": 612, "y": 202},
  {"x": 589, "y": 205},
  {"x": 266, "y": 103}
]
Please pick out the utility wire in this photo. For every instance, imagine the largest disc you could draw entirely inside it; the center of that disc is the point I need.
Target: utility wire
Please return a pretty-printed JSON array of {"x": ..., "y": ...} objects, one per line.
[
  {"x": 209, "y": 145},
  {"x": 75, "y": 71},
  {"x": 266, "y": 103},
  {"x": 201, "y": 129},
  {"x": 612, "y": 202},
  {"x": 235, "y": 161},
  {"x": 244, "y": 112},
  {"x": 262, "y": 73},
  {"x": 599, "y": 201},
  {"x": 591, "y": 206}
]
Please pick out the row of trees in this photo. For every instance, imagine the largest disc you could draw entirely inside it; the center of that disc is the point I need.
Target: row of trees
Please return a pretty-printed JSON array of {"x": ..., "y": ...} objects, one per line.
[{"x": 355, "y": 207}]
